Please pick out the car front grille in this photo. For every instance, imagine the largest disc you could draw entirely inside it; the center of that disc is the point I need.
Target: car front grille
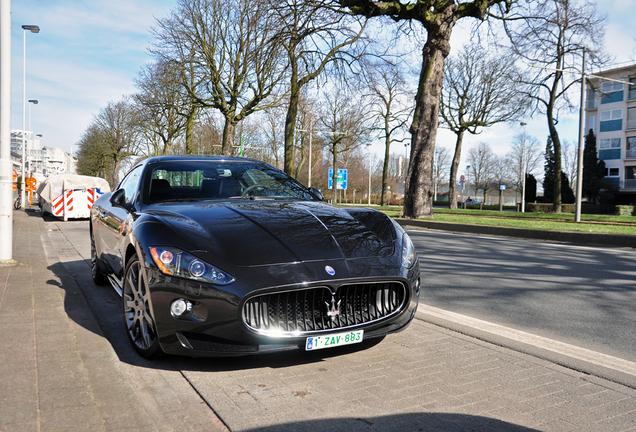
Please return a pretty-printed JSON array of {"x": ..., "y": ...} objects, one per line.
[{"x": 292, "y": 313}]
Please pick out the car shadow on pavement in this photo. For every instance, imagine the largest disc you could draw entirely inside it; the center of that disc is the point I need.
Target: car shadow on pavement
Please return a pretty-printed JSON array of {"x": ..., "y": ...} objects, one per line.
[
  {"x": 98, "y": 309},
  {"x": 401, "y": 422}
]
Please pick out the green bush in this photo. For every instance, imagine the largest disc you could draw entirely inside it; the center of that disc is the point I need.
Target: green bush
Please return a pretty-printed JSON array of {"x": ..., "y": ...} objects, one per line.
[{"x": 625, "y": 210}]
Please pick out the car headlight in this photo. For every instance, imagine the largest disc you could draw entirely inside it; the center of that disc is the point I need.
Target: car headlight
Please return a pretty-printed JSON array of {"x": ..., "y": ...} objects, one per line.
[
  {"x": 409, "y": 256},
  {"x": 175, "y": 262}
]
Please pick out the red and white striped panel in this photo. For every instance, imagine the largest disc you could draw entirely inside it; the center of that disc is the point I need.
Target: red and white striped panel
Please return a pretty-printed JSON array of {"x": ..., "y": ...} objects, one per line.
[
  {"x": 92, "y": 195},
  {"x": 58, "y": 203}
]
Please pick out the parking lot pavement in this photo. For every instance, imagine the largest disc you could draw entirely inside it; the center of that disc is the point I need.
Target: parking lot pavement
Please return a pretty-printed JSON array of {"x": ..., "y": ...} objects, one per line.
[{"x": 61, "y": 368}]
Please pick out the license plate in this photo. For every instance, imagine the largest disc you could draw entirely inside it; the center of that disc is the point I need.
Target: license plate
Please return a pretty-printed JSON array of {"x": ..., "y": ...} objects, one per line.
[{"x": 334, "y": 340}]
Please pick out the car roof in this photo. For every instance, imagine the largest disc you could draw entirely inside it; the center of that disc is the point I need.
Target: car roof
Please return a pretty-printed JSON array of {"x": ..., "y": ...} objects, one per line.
[{"x": 181, "y": 158}]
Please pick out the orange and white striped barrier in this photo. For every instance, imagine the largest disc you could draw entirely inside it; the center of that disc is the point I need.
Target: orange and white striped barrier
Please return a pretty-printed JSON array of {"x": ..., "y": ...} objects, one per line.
[{"x": 92, "y": 196}]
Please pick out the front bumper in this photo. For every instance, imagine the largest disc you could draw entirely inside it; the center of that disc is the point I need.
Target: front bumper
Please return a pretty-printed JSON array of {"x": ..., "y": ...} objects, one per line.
[{"x": 215, "y": 326}]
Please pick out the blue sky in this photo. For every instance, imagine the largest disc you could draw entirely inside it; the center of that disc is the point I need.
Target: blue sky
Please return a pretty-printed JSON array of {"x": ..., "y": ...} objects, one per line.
[{"x": 89, "y": 52}]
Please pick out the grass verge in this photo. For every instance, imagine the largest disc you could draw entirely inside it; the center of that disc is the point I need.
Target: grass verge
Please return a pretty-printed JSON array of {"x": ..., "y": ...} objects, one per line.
[{"x": 603, "y": 224}]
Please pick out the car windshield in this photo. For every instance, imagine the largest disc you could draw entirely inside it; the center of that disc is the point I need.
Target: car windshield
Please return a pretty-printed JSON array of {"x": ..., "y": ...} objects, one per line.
[{"x": 188, "y": 181}]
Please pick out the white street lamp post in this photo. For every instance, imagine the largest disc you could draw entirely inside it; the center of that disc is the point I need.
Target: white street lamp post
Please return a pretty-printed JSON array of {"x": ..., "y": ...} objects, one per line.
[
  {"x": 579, "y": 168},
  {"x": 32, "y": 29},
  {"x": 31, "y": 103},
  {"x": 523, "y": 182},
  {"x": 6, "y": 166}
]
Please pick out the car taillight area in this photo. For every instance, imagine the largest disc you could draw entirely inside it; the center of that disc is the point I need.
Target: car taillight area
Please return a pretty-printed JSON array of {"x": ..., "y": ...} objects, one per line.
[{"x": 294, "y": 313}]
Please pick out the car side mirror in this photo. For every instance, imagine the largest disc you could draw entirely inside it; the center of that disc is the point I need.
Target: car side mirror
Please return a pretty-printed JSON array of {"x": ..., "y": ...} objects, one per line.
[
  {"x": 315, "y": 192},
  {"x": 118, "y": 199}
]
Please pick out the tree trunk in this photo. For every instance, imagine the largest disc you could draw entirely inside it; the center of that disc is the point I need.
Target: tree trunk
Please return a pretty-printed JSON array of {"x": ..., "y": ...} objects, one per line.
[
  {"x": 228, "y": 137},
  {"x": 556, "y": 200},
  {"x": 290, "y": 119},
  {"x": 418, "y": 201},
  {"x": 189, "y": 149},
  {"x": 334, "y": 190},
  {"x": 385, "y": 168},
  {"x": 452, "y": 183}
]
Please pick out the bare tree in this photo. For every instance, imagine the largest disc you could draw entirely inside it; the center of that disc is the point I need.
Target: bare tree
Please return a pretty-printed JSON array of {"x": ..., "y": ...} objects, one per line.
[
  {"x": 343, "y": 120},
  {"x": 552, "y": 35},
  {"x": 313, "y": 35},
  {"x": 482, "y": 164},
  {"x": 391, "y": 107},
  {"x": 162, "y": 106},
  {"x": 117, "y": 129},
  {"x": 480, "y": 90},
  {"x": 569, "y": 154},
  {"x": 230, "y": 46},
  {"x": 438, "y": 18},
  {"x": 515, "y": 158},
  {"x": 441, "y": 166},
  {"x": 92, "y": 159}
]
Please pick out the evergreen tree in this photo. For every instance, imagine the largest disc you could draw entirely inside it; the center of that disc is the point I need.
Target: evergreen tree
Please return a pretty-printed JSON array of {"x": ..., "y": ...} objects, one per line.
[
  {"x": 593, "y": 169},
  {"x": 567, "y": 195},
  {"x": 548, "y": 179},
  {"x": 531, "y": 188}
]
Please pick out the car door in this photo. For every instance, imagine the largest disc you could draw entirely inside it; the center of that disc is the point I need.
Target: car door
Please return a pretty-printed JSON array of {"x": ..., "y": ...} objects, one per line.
[{"x": 117, "y": 222}]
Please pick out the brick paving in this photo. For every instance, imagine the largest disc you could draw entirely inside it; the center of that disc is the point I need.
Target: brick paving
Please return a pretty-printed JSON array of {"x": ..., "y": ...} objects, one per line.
[
  {"x": 61, "y": 368},
  {"x": 425, "y": 378}
]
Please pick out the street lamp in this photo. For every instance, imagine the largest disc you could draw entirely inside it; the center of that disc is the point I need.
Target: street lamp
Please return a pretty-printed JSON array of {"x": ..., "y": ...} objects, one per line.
[
  {"x": 523, "y": 182},
  {"x": 31, "y": 102},
  {"x": 32, "y": 29}
]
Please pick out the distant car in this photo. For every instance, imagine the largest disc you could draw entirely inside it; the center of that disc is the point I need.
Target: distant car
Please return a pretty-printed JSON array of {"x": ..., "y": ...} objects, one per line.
[
  {"x": 224, "y": 256},
  {"x": 473, "y": 201}
]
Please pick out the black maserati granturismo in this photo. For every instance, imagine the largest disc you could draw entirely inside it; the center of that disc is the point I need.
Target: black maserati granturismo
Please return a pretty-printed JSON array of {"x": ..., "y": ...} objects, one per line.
[{"x": 222, "y": 256}]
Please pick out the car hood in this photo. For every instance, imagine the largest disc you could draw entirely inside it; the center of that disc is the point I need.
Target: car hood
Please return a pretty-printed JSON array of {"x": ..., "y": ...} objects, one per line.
[{"x": 272, "y": 232}]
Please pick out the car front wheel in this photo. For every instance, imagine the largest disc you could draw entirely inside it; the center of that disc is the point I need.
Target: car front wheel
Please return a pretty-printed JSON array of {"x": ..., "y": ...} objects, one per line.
[{"x": 137, "y": 309}]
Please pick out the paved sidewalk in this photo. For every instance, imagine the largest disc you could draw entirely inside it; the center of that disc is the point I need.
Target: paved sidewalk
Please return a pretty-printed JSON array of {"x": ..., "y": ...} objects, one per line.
[{"x": 57, "y": 370}]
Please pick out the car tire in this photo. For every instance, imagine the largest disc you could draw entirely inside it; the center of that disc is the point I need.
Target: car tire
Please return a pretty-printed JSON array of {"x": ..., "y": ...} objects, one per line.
[
  {"x": 98, "y": 276},
  {"x": 137, "y": 311}
]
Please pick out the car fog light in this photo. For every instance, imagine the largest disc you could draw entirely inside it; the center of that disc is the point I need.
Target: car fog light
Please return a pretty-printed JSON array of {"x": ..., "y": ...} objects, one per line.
[{"x": 180, "y": 307}]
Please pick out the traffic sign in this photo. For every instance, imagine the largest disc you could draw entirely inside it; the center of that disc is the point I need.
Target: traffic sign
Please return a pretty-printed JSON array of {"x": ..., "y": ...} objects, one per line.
[
  {"x": 502, "y": 187},
  {"x": 341, "y": 182},
  {"x": 462, "y": 178}
]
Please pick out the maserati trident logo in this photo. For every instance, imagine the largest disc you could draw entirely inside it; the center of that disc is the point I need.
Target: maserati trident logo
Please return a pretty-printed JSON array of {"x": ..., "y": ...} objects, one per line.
[
  {"x": 330, "y": 270},
  {"x": 333, "y": 309}
]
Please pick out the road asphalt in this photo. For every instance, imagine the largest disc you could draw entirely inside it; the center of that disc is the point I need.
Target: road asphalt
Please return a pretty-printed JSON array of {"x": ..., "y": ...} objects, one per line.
[{"x": 60, "y": 370}]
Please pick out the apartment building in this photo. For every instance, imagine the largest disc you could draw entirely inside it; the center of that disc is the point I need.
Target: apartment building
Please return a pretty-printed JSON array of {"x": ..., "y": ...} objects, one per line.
[
  {"x": 41, "y": 162},
  {"x": 611, "y": 113}
]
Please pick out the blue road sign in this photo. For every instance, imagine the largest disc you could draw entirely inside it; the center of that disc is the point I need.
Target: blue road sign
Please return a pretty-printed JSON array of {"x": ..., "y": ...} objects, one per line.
[{"x": 341, "y": 182}]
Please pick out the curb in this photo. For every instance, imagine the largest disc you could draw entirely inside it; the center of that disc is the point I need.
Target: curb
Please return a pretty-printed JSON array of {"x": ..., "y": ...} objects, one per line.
[{"x": 611, "y": 240}]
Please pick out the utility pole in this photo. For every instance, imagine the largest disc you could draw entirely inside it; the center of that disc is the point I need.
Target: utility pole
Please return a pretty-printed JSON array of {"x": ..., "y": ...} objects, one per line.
[
  {"x": 6, "y": 167},
  {"x": 523, "y": 182},
  {"x": 579, "y": 165}
]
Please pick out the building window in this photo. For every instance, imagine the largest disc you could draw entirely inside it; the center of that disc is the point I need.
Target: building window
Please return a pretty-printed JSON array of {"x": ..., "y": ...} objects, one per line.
[
  {"x": 591, "y": 124},
  {"x": 630, "y": 177},
  {"x": 610, "y": 143},
  {"x": 592, "y": 102},
  {"x": 611, "y": 172},
  {"x": 612, "y": 92},
  {"x": 631, "y": 118},
  {"x": 632, "y": 88},
  {"x": 611, "y": 120},
  {"x": 610, "y": 149},
  {"x": 631, "y": 147}
]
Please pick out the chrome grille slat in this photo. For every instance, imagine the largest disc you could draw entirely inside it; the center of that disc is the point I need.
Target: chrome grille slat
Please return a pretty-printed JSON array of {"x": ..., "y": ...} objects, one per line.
[{"x": 305, "y": 311}]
